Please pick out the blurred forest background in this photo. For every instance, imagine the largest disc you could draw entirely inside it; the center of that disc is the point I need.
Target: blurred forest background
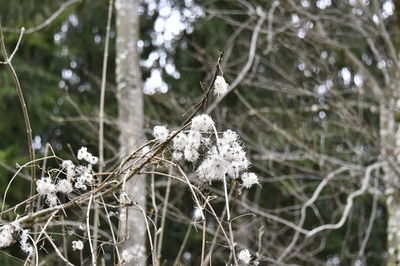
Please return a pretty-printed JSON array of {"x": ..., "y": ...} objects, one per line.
[{"x": 315, "y": 97}]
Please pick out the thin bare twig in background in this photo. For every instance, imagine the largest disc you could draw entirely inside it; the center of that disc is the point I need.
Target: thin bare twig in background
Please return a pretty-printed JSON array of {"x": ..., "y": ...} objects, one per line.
[
  {"x": 48, "y": 21},
  {"x": 247, "y": 66}
]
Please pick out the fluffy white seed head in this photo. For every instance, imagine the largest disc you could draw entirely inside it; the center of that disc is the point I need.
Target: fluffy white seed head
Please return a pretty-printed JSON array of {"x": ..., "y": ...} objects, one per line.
[
  {"x": 214, "y": 166},
  {"x": 197, "y": 214},
  {"x": 85, "y": 176},
  {"x": 160, "y": 133},
  {"x": 191, "y": 154},
  {"x": 193, "y": 143},
  {"x": 234, "y": 170},
  {"x": 52, "y": 200},
  {"x": 6, "y": 235},
  {"x": 69, "y": 168},
  {"x": 45, "y": 186},
  {"x": 226, "y": 158},
  {"x": 180, "y": 141},
  {"x": 229, "y": 137},
  {"x": 177, "y": 155},
  {"x": 194, "y": 139},
  {"x": 77, "y": 245},
  {"x": 24, "y": 242},
  {"x": 232, "y": 151},
  {"x": 64, "y": 186},
  {"x": 83, "y": 154},
  {"x": 203, "y": 123},
  {"x": 249, "y": 179},
  {"x": 244, "y": 256},
  {"x": 220, "y": 86}
]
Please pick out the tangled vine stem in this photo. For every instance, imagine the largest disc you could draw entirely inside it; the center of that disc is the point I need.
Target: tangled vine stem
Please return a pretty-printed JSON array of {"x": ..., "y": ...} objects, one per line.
[
  {"x": 7, "y": 61},
  {"x": 111, "y": 182}
]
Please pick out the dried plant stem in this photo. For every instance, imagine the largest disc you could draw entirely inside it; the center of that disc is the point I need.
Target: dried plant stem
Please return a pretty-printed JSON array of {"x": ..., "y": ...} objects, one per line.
[
  {"x": 214, "y": 240},
  {"x": 103, "y": 86},
  {"x": 163, "y": 217},
  {"x": 153, "y": 255},
  {"x": 111, "y": 229},
  {"x": 92, "y": 252},
  {"x": 228, "y": 214},
  {"x": 203, "y": 243},
  {"x": 57, "y": 250},
  {"x": 23, "y": 106},
  {"x": 101, "y": 118}
]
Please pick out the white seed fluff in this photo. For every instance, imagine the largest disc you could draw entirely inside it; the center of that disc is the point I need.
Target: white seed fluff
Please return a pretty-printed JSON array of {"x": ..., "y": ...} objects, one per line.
[
  {"x": 225, "y": 158},
  {"x": 220, "y": 86},
  {"x": 160, "y": 132},
  {"x": 249, "y": 179},
  {"x": 25, "y": 246},
  {"x": 77, "y": 245},
  {"x": 197, "y": 214},
  {"x": 84, "y": 176},
  {"x": 177, "y": 155},
  {"x": 214, "y": 166},
  {"x": 83, "y": 154},
  {"x": 52, "y": 200},
  {"x": 69, "y": 167},
  {"x": 64, "y": 186},
  {"x": 203, "y": 123},
  {"x": 191, "y": 153},
  {"x": 6, "y": 235},
  {"x": 244, "y": 256},
  {"x": 45, "y": 186},
  {"x": 180, "y": 141}
]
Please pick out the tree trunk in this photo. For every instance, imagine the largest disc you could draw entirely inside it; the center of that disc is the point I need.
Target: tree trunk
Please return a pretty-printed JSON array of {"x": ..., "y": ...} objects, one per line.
[
  {"x": 393, "y": 229},
  {"x": 388, "y": 129},
  {"x": 130, "y": 100}
]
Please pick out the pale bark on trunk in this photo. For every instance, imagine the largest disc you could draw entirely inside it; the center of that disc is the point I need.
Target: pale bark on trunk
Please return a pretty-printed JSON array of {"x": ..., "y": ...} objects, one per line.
[
  {"x": 389, "y": 150},
  {"x": 130, "y": 100}
]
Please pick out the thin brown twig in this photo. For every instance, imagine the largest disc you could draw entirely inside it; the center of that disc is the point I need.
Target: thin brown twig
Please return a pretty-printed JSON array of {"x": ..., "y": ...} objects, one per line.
[{"x": 23, "y": 106}]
